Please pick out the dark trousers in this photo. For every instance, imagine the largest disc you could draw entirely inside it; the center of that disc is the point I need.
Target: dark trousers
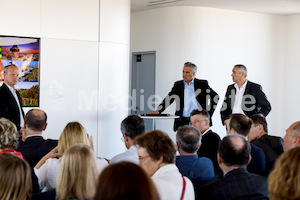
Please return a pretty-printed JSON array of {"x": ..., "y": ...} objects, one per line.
[{"x": 181, "y": 122}]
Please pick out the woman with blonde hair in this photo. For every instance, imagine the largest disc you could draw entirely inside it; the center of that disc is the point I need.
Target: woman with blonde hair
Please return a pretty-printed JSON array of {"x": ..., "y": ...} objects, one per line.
[
  {"x": 284, "y": 180},
  {"x": 78, "y": 173},
  {"x": 15, "y": 178},
  {"x": 48, "y": 167}
]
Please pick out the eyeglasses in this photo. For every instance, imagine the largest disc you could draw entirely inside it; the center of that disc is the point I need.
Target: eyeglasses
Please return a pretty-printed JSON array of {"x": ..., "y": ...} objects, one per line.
[
  {"x": 143, "y": 157},
  {"x": 196, "y": 121}
]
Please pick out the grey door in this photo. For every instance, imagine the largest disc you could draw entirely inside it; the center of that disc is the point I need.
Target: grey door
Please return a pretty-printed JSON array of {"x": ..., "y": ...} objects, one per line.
[{"x": 143, "y": 83}]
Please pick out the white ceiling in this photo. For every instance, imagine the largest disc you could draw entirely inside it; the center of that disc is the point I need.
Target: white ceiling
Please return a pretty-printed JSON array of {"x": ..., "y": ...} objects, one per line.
[{"x": 278, "y": 7}]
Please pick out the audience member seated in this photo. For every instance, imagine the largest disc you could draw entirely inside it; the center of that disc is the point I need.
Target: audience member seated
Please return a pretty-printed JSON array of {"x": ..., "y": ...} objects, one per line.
[
  {"x": 157, "y": 154},
  {"x": 237, "y": 182},
  {"x": 131, "y": 127},
  {"x": 284, "y": 180},
  {"x": 15, "y": 178},
  {"x": 241, "y": 124},
  {"x": 78, "y": 173},
  {"x": 210, "y": 140},
  {"x": 124, "y": 181},
  {"x": 292, "y": 136},
  {"x": 9, "y": 140},
  {"x": 271, "y": 145},
  {"x": 33, "y": 146},
  {"x": 188, "y": 140},
  {"x": 47, "y": 168}
]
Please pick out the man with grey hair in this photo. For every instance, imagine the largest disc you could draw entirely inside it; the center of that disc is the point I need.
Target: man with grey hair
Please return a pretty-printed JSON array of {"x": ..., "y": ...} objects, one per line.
[
  {"x": 10, "y": 100},
  {"x": 188, "y": 140},
  {"x": 292, "y": 136},
  {"x": 131, "y": 126},
  {"x": 243, "y": 97},
  {"x": 190, "y": 94}
]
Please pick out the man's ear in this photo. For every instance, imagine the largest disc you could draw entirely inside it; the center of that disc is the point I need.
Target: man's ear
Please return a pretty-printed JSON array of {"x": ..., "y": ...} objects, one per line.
[
  {"x": 219, "y": 159},
  {"x": 45, "y": 126},
  {"x": 297, "y": 140},
  {"x": 250, "y": 157}
]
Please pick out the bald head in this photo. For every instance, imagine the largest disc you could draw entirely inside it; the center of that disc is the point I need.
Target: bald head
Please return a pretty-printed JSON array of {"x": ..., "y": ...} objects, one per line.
[
  {"x": 292, "y": 136},
  {"x": 36, "y": 120},
  {"x": 11, "y": 75},
  {"x": 234, "y": 150}
]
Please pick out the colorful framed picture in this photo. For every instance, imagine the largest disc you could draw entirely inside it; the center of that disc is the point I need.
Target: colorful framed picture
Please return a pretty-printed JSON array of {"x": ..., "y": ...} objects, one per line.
[{"x": 24, "y": 52}]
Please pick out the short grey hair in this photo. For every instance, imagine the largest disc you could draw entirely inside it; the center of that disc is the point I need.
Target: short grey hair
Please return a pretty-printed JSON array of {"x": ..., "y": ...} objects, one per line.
[
  {"x": 242, "y": 68},
  {"x": 296, "y": 129},
  {"x": 9, "y": 136},
  {"x": 191, "y": 65},
  {"x": 7, "y": 66},
  {"x": 188, "y": 138}
]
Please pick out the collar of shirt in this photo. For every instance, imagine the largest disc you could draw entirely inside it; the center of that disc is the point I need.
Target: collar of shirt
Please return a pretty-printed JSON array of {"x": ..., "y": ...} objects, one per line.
[
  {"x": 243, "y": 87},
  {"x": 34, "y": 135},
  {"x": 11, "y": 88},
  {"x": 191, "y": 83},
  {"x": 206, "y": 131}
]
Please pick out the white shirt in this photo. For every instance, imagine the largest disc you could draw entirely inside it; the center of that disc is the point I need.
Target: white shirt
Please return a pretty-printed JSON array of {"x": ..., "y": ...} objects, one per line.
[
  {"x": 239, "y": 93},
  {"x": 130, "y": 155},
  {"x": 190, "y": 102},
  {"x": 47, "y": 173},
  {"x": 14, "y": 93},
  {"x": 169, "y": 183}
]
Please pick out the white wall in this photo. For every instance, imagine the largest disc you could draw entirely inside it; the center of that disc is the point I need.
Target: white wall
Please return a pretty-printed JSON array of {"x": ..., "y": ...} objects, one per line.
[
  {"x": 215, "y": 40},
  {"x": 84, "y": 58},
  {"x": 292, "y": 71}
]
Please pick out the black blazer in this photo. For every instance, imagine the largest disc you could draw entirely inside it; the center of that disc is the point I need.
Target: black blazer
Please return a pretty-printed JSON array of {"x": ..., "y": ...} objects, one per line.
[
  {"x": 209, "y": 148},
  {"x": 201, "y": 87},
  {"x": 257, "y": 164},
  {"x": 273, "y": 148},
  {"x": 8, "y": 106},
  {"x": 34, "y": 148},
  {"x": 236, "y": 184},
  {"x": 261, "y": 104}
]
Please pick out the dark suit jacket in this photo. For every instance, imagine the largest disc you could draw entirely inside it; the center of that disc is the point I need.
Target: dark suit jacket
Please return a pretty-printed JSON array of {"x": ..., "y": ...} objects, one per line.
[
  {"x": 34, "y": 148},
  {"x": 236, "y": 184},
  {"x": 201, "y": 87},
  {"x": 257, "y": 164},
  {"x": 209, "y": 148},
  {"x": 261, "y": 104},
  {"x": 8, "y": 106},
  {"x": 273, "y": 148}
]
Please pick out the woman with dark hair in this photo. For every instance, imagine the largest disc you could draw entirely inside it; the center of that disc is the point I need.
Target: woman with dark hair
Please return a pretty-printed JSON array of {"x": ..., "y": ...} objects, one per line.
[
  {"x": 157, "y": 154},
  {"x": 123, "y": 181}
]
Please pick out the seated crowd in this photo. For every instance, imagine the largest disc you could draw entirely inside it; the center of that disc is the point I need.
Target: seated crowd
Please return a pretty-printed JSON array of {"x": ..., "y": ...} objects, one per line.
[{"x": 248, "y": 163}]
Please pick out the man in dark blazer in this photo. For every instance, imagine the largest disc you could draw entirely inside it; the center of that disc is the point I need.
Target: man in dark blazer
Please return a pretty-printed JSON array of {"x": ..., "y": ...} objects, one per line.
[
  {"x": 243, "y": 97},
  {"x": 237, "y": 182},
  {"x": 10, "y": 100},
  {"x": 32, "y": 144},
  {"x": 210, "y": 140},
  {"x": 189, "y": 94},
  {"x": 271, "y": 145},
  {"x": 241, "y": 124}
]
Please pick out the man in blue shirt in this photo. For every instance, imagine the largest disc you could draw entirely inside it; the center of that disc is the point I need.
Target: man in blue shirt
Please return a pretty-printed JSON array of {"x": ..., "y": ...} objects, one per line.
[
  {"x": 188, "y": 140},
  {"x": 189, "y": 94}
]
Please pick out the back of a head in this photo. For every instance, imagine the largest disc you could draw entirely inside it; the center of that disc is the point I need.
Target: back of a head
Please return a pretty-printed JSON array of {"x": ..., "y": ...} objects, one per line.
[
  {"x": 188, "y": 138},
  {"x": 36, "y": 119},
  {"x": 123, "y": 181},
  {"x": 284, "y": 180},
  {"x": 133, "y": 126},
  {"x": 240, "y": 123},
  {"x": 78, "y": 173},
  {"x": 296, "y": 129},
  {"x": 158, "y": 144},
  {"x": 15, "y": 178},
  {"x": 73, "y": 133},
  {"x": 260, "y": 119},
  {"x": 9, "y": 137},
  {"x": 234, "y": 150}
]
